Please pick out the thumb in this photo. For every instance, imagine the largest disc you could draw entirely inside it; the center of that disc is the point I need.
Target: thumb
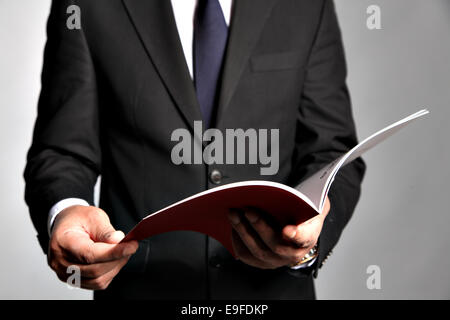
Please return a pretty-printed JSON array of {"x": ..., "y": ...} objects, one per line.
[
  {"x": 101, "y": 229},
  {"x": 326, "y": 207},
  {"x": 113, "y": 237},
  {"x": 305, "y": 234}
]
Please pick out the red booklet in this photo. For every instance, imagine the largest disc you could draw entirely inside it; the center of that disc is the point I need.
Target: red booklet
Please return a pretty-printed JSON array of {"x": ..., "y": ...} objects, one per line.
[{"x": 207, "y": 211}]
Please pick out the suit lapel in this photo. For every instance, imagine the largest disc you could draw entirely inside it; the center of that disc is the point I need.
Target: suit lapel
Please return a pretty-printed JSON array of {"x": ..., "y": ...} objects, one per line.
[
  {"x": 247, "y": 22},
  {"x": 155, "y": 24}
]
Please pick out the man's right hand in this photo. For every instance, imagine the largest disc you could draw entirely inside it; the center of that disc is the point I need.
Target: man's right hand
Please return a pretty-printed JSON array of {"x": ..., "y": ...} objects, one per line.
[{"x": 83, "y": 236}]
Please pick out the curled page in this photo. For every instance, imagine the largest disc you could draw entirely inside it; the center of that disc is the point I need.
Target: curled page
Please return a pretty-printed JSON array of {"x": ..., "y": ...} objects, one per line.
[{"x": 316, "y": 187}]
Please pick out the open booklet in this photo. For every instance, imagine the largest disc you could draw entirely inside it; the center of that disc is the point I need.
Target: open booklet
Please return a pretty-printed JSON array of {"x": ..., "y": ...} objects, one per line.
[{"x": 206, "y": 212}]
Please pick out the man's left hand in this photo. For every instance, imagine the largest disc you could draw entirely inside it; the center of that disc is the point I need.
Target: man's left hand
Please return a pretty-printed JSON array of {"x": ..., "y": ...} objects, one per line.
[{"x": 258, "y": 244}]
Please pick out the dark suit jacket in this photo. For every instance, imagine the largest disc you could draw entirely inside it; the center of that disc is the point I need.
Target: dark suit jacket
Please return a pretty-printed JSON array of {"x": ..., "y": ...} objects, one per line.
[{"x": 113, "y": 92}]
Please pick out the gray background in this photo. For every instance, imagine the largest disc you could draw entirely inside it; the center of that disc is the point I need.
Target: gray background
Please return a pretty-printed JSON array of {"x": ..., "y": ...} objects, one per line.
[{"x": 401, "y": 223}]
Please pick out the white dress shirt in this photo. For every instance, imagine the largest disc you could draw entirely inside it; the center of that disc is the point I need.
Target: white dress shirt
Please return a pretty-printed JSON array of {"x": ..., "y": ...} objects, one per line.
[{"x": 184, "y": 11}]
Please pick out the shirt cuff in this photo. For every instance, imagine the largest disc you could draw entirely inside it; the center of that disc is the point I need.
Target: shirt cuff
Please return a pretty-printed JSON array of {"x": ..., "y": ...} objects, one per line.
[{"x": 60, "y": 206}]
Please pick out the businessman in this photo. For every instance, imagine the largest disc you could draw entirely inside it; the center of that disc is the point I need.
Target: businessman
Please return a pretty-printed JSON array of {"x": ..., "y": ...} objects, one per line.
[{"x": 116, "y": 88}]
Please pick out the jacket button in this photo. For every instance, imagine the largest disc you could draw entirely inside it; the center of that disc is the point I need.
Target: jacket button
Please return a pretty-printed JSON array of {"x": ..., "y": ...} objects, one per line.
[
  {"x": 215, "y": 262},
  {"x": 216, "y": 176}
]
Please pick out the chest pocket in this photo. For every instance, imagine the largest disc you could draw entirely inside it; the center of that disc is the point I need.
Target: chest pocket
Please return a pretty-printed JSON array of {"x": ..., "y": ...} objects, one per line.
[{"x": 276, "y": 61}]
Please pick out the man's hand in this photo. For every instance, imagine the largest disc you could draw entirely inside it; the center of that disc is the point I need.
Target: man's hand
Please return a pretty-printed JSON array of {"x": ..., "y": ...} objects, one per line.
[
  {"x": 257, "y": 244},
  {"x": 83, "y": 236}
]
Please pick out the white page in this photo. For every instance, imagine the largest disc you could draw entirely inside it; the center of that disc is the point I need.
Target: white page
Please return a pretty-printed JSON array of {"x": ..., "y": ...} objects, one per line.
[{"x": 316, "y": 187}]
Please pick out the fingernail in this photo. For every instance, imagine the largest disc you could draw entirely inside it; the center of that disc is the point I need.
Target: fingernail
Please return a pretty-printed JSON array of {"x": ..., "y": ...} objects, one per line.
[
  {"x": 251, "y": 216},
  {"x": 234, "y": 217},
  {"x": 291, "y": 234},
  {"x": 120, "y": 234}
]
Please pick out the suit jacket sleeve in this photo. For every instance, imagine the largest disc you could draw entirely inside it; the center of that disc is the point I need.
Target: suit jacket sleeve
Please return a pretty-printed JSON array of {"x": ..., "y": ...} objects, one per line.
[
  {"x": 326, "y": 130},
  {"x": 64, "y": 159}
]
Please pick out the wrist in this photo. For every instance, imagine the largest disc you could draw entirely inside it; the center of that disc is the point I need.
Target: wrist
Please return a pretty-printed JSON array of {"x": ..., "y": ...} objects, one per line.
[
  {"x": 59, "y": 207},
  {"x": 307, "y": 259}
]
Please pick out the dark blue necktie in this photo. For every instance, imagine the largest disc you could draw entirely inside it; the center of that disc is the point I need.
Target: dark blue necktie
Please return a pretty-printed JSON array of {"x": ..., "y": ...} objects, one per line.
[{"x": 210, "y": 40}]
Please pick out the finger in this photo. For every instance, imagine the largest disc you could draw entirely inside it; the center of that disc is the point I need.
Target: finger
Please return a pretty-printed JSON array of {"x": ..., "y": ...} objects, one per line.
[
  {"x": 265, "y": 232},
  {"x": 80, "y": 248},
  {"x": 102, "y": 282},
  {"x": 113, "y": 237},
  {"x": 271, "y": 238},
  {"x": 244, "y": 254},
  {"x": 252, "y": 241},
  {"x": 304, "y": 235},
  {"x": 99, "y": 227},
  {"x": 95, "y": 270}
]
